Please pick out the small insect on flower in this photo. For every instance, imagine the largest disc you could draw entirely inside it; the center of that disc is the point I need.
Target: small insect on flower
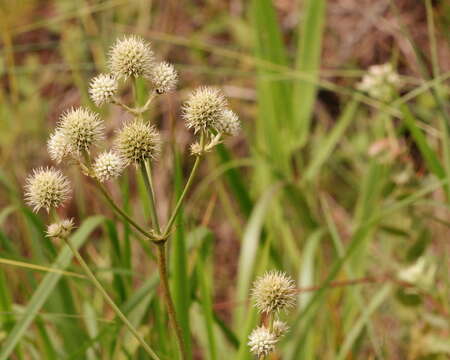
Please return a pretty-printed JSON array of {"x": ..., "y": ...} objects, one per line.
[
  {"x": 228, "y": 123},
  {"x": 46, "y": 188},
  {"x": 58, "y": 147},
  {"x": 108, "y": 165},
  {"x": 204, "y": 108},
  {"x": 131, "y": 56},
  {"x": 273, "y": 291},
  {"x": 82, "y": 128},
  {"x": 279, "y": 328},
  {"x": 102, "y": 89},
  {"x": 164, "y": 77},
  {"x": 138, "y": 141},
  {"x": 60, "y": 230},
  {"x": 262, "y": 341}
]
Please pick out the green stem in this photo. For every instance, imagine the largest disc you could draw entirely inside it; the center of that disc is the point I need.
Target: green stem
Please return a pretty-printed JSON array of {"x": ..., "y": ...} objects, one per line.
[
  {"x": 110, "y": 301},
  {"x": 162, "y": 268},
  {"x": 147, "y": 175},
  {"x": 121, "y": 212}
]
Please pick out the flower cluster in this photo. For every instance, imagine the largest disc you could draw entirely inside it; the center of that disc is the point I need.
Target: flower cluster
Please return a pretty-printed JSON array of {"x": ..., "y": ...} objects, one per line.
[
  {"x": 380, "y": 82},
  {"x": 272, "y": 293}
]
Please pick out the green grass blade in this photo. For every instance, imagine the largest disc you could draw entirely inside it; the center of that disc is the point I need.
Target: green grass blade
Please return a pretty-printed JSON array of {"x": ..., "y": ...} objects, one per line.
[{"x": 47, "y": 286}]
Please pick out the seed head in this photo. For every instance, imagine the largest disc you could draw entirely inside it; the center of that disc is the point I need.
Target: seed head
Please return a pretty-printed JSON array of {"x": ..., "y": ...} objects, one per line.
[
  {"x": 164, "y": 77},
  {"x": 131, "y": 56},
  {"x": 58, "y": 146},
  {"x": 108, "y": 165},
  {"x": 102, "y": 89},
  {"x": 138, "y": 141},
  {"x": 60, "y": 230},
  {"x": 204, "y": 108},
  {"x": 262, "y": 341},
  {"x": 279, "y": 328},
  {"x": 82, "y": 128},
  {"x": 274, "y": 291},
  {"x": 46, "y": 188},
  {"x": 228, "y": 123}
]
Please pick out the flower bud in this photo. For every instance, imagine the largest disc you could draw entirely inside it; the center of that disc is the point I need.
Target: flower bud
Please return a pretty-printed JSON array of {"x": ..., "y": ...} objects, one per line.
[
  {"x": 279, "y": 328},
  {"x": 102, "y": 89},
  {"x": 58, "y": 147},
  {"x": 228, "y": 123},
  {"x": 164, "y": 77},
  {"x": 138, "y": 141},
  {"x": 60, "y": 230},
  {"x": 108, "y": 165},
  {"x": 262, "y": 342},
  {"x": 274, "y": 291},
  {"x": 204, "y": 109},
  {"x": 131, "y": 57},
  {"x": 46, "y": 188}
]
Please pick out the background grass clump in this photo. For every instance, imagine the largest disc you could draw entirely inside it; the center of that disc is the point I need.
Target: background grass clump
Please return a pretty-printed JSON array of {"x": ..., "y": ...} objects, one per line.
[{"x": 346, "y": 192}]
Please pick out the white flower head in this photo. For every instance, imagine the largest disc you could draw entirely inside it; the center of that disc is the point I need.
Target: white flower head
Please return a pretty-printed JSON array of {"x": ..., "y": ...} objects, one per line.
[
  {"x": 262, "y": 341},
  {"x": 131, "y": 57},
  {"x": 164, "y": 77},
  {"x": 82, "y": 128},
  {"x": 279, "y": 328},
  {"x": 102, "y": 89},
  {"x": 273, "y": 291},
  {"x": 108, "y": 165},
  {"x": 138, "y": 141},
  {"x": 46, "y": 188},
  {"x": 204, "y": 108},
  {"x": 59, "y": 147},
  {"x": 60, "y": 230},
  {"x": 228, "y": 123},
  {"x": 380, "y": 82}
]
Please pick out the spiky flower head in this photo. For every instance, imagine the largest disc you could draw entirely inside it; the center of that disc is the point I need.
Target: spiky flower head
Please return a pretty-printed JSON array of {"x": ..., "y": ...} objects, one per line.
[
  {"x": 273, "y": 291},
  {"x": 102, "y": 89},
  {"x": 204, "y": 108},
  {"x": 46, "y": 188},
  {"x": 262, "y": 342},
  {"x": 61, "y": 229},
  {"x": 228, "y": 123},
  {"x": 164, "y": 77},
  {"x": 138, "y": 141},
  {"x": 82, "y": 128},
  {"x": 108, "y": 165},
  {"x": 380, "y": 82},
  {"x": 279, "y": 328},
  {"x": 59, "y": 147},
  {"x": 131, "y": 56}
]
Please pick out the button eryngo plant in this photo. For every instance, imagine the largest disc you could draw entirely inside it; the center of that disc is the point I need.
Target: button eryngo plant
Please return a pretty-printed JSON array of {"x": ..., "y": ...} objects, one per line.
[
  {"x": 79, "y": 140},
  {"x": 272, "y": 293}
]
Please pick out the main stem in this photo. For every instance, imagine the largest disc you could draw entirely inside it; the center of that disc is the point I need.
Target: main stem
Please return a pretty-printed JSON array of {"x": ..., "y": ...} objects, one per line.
[
  {"x": 110, "y": 301},
  {"x": 162, "y": 267}
]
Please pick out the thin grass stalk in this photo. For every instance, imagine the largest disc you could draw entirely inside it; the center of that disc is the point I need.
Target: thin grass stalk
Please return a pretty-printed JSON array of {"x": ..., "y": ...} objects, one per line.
[
  {"x": 110, "y": 301},
  {"x": 147, "y": 176}
]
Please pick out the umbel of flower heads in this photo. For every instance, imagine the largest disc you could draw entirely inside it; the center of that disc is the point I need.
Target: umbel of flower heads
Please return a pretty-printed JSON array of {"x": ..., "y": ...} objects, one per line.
[
  {"x": 380, "y": 82},
  {"x": 272, "y": 293},
  {"x": 79, "y": 137}
]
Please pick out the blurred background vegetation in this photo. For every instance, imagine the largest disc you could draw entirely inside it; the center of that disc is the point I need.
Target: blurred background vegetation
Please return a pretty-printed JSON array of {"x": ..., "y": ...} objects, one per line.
[{"x": 347, "y": 194}]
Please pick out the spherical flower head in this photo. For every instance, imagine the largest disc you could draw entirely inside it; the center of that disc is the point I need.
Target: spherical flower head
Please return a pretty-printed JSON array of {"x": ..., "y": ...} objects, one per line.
[
  {"x": 102, "y": 89},
  {"x": 82, "y": 128},
  {"x": 59, "y": 147},
  {"x": 274, "y": 291},
  {"x": 60, "y": 230},
  {"x": 108, "y": 165},
  {"x": 279, "y": 328},
  {"x": 228, "y": 123},
  {"x": 46, "y": 188},
  {"x": 138, "y": 141},
  {"x": 131, "y": 57},
  {"x": 164, "y": 77},
  {"x": 262, "y": 342},
  {"x": 380, "y": 82},
  {"x": 204, "y": 109}
]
